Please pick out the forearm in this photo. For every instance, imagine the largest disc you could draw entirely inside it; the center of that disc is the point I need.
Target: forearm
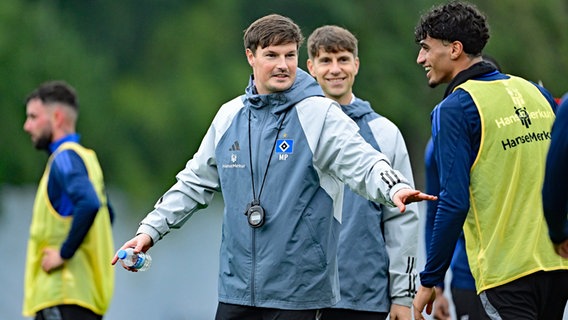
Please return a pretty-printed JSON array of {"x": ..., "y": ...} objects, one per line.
[
  {"x": 86, "y": 205},
  {"x": 447, "y": 229},
  {"x": 401, "y": 239},
  {"x": 82, "y": 222}
]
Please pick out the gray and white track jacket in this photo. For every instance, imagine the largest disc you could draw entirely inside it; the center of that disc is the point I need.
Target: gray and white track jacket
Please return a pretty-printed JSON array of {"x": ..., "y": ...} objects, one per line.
[
  {"x": 290, "y": 262},
  {"x": 377, "y": 244}
]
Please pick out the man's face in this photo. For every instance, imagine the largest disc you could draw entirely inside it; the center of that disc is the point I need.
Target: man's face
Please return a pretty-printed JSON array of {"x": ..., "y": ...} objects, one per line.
[
  {"x": 435, "y": 57},
  {"x": 274, "y": 67},
  {"x": 39, "y": 123},
  {"x": 335, "y": 72}
]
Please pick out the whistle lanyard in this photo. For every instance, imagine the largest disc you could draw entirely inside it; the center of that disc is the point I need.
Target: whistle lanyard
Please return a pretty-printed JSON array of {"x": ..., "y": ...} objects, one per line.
[{"x": 255, "y": 199}]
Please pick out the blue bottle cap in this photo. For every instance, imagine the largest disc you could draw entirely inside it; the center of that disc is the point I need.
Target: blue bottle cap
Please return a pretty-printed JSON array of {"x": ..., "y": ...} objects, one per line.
[{"x": 122, "y": 254}]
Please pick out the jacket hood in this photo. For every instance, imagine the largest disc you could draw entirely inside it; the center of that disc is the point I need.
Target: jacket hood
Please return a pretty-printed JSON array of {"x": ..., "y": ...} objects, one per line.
[
  {"x": 357, "y": 109},
  {"x": 304, "y": 86}
]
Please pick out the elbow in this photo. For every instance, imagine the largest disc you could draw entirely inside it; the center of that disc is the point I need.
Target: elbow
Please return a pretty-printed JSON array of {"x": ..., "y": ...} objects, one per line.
[{"x": 92, "y": 204}]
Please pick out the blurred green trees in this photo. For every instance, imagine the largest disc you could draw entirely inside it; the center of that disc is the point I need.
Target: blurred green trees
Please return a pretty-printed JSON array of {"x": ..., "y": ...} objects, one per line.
[{"x": 152, "y": 74}]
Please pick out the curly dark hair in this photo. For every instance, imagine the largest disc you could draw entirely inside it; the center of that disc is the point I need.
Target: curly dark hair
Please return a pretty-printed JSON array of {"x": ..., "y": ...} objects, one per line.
[{"x": 455, "y": 21}]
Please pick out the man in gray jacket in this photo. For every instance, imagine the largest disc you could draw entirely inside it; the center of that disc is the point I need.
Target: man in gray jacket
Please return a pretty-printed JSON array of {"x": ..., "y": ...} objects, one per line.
[
  {"x": 280, "y": 154},
  {"x": 377, "y": 244}
]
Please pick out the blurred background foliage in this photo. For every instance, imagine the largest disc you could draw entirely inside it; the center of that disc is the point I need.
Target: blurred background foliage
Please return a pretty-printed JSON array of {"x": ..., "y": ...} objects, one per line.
[{"x": 152, "y": 74}]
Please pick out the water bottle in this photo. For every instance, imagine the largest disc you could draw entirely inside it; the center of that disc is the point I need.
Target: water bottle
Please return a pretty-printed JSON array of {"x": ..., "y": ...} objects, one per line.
[{"x": 140, "y": 261}]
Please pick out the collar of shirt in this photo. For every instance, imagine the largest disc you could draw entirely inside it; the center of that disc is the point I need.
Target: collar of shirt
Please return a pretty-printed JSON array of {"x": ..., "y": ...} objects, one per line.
[{"x": 73, "y": 137}]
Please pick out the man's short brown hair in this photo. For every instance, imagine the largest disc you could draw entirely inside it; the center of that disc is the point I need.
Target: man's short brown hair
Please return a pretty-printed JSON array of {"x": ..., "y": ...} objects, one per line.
[
  {"x": 272, "y": 29},
  {"x": 331, "y": 39}
]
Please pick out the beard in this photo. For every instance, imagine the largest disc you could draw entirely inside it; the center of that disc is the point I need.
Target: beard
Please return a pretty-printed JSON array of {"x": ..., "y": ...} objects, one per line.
[{"x": 43, "y": 141}]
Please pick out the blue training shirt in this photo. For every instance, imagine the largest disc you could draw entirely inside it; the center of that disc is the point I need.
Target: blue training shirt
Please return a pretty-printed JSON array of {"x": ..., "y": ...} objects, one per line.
[
  {"x": 555, "y": 191},
  {"x": 454, "y": 157},
  {"x": 72, "y": 194}
]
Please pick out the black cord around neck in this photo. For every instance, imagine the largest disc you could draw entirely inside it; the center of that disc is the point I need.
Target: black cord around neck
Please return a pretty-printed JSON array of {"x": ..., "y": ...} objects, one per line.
[{"x": 255, "y": 199}]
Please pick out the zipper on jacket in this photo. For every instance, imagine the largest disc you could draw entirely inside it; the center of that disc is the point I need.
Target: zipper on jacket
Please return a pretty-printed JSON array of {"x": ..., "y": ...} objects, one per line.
[
  {"x": 253, "y": 267},
  {"x": 262, "y": 128}
]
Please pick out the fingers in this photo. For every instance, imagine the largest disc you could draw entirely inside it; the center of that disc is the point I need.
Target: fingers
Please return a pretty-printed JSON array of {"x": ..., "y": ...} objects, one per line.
[
  {"x": 441, "y": 309},
  {"x": 562, "y": 249},
  {"x": 44, "y": 265},
  {"x": 45, "y": 260},
  {"x": 417, "y": 313},
  {"x": 406, "y": 196},
  {"x": 400, "y": 198},
  {"x": 425, "y": 297},
  {"x": 114, "y": 259},
  {"x": 429, "y": 307},
  {"x": 400, "y": 205},
  {"x": 51, "y": 260},
  {"x": 425, "y": 196},
  {"x": 140, "y": 243},
  {"x": 132, "y": 243},
  {"x": 420, "y": 196}
]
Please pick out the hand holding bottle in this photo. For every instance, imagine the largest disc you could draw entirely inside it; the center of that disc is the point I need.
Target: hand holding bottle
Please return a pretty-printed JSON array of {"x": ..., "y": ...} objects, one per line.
[
  {"x": 139, "y": 244},
  {"x": 134, "y": 261}
]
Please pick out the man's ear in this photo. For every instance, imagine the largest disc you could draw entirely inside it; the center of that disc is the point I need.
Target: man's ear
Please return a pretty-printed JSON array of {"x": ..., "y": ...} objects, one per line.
[
  {"x": 310, "y": 65},
  {"x": 456, "y": 50},
  {"x": 63, "y": 117},
  {"x": 250, "y": 56},
  {"x": 58, "y": 116}
]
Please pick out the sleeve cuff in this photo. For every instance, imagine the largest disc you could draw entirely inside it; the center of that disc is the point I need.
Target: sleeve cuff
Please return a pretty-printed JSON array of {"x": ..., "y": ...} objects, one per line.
[
  {"x": 397, "y": 187},
  {"x": 403, "y": 301},
  {"x": 147, "y": 229}
]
